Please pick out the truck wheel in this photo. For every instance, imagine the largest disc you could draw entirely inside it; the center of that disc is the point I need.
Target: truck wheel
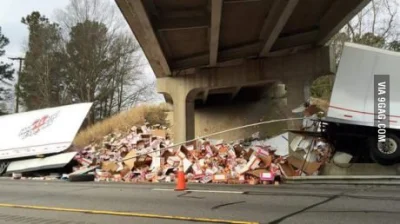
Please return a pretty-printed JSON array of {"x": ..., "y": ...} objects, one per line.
[
  {"x": 385, "y": 153},
  {"x": 81, "y": 177},
  {"x": 381, "y": 161}
]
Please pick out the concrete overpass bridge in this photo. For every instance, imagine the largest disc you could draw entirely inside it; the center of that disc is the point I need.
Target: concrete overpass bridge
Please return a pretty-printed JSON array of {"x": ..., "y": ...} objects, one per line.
[{"x": 202, "y": 48}]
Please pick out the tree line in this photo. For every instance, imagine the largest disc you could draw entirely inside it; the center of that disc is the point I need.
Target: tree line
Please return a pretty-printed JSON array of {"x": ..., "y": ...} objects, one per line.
[
  {"x": 88, "y": 55},
  {"x": 6, "y": 75}
]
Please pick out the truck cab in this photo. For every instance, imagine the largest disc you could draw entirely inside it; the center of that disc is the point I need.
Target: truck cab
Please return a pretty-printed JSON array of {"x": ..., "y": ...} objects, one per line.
[{"x": 363, "y": 117}]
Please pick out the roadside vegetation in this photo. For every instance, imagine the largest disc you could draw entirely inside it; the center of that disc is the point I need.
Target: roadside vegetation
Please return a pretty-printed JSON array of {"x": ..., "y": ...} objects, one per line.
[{"x": 123, "y": 122}]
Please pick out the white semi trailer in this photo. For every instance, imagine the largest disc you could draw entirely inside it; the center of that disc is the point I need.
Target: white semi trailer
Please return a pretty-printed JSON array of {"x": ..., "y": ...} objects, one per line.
[
  {"x": 364, "y": 109},
  {"x": 39, "y": 133}
]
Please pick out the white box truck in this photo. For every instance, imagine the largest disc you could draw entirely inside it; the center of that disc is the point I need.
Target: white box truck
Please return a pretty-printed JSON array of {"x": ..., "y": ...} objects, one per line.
[
  {"x": 364, "y": 109},
  {"x": 39, "y": 133}
]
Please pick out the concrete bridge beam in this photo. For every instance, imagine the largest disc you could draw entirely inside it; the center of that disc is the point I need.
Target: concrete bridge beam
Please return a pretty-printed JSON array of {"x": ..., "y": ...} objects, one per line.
[{"x": 294, "y": 71}]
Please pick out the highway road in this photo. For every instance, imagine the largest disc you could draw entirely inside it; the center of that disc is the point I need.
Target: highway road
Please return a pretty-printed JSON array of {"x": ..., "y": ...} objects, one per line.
[{"x": 77, "y": 203}]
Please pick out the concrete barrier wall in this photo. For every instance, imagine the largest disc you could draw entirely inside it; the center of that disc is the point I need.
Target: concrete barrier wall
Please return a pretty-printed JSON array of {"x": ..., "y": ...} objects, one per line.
[{"x": 213, "y": 119}]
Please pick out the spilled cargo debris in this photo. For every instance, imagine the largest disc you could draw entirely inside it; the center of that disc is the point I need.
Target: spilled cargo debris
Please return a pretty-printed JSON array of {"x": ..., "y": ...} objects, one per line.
[{"x": 148, "y": 155}]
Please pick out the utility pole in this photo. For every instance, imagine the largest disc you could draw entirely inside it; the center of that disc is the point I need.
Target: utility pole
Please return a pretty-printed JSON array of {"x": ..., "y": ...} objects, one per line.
[{"x": 20, "y": 59}]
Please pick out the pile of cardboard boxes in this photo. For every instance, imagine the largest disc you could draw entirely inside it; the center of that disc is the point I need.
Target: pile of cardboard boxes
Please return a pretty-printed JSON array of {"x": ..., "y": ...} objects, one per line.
[{"x": 148, "y": 155}]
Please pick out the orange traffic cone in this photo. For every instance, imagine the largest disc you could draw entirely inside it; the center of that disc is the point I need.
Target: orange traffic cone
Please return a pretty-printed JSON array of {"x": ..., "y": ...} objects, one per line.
[{"x": 181, "y": 182}]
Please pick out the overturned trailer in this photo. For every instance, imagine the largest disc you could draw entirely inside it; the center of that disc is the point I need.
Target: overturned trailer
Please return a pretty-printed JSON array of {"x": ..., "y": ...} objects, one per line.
[
  {"x": 38, "y": 134},
  {"x": 363, "y": 118}
]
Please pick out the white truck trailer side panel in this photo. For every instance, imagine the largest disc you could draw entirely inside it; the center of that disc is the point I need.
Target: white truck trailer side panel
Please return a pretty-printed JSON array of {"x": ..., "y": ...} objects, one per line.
[
  {"x": 40, "y": 132},
  {"x": 352, "y": 99}
]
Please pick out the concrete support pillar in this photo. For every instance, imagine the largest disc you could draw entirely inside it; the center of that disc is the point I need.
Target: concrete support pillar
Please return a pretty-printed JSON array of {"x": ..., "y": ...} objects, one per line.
[
  {"x": 182, "y": 96},
  {"x": 296, "y": 89},
  {"x": 183, "y": 118},
  {"x": 295, "y": 97}
]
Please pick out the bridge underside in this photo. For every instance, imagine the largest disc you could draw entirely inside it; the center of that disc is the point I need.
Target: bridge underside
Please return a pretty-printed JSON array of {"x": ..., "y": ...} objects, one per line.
[{"x": 201, "y": 48}]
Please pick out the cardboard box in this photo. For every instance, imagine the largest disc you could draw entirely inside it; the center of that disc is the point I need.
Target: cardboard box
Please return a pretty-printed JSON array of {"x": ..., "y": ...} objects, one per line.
[
  {"x": 166, "y": 154},
  {"x": 242, "y": 179},
  {"x": 173, "y": 161},
  {"x": 120, "y": 167},
  {"x": 125, "y": 171},
  {"x": 308, "y": 167},
  {"x": 220, "y": 177},
  {"x": 238, "y": 150},
  {"x": 149, "y": 176},
  {"x": 197, "y": 169},
  {"x": 159, "y": 133},
  {"x": 156, "y": 163},
  {"x": 257, "y": 173},
  {"x": 206, "y": 179},
  {"x": 185, "y": 151},
  {"x": 186, "y": 165},
  {"x": 117, "y": 177},
  {"x": 267, "y": 176},
  {"x": 209, "y": 151},
  {"x": 109, "y": 166},
  {"x": 266, "y": 160},
  {"x": 202, "y": 162},
  {"x": 261, "y": 152},
  {"x": 248, "y": 154},
  {"x": 143, "y": 162},
  {"x": 231, "y": 153},
  {"x": 193, "y": 145},
  {"x": 255, "y": 164},
  {"x": 209, "y": 172},
  {"x": 241, "y": 169},
  {"x": 140, "y": 145},
  {"x": 84, "y": 162}
]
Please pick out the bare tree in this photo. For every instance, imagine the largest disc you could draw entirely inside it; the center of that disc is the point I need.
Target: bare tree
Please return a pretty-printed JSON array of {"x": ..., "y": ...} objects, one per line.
[
  {"x": 103, "y": 61},
  {"x": 376, "y": 25},
  {"x": 143, "y": 92},
  {"x": 102, "y": 11}
]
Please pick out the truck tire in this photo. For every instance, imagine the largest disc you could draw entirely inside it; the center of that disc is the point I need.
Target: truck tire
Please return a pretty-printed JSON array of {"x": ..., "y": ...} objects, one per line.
[
  {"x": 81, "y": 177},
  {"x": 381, "y": 161},
  {"x": 387, "y": 153}
]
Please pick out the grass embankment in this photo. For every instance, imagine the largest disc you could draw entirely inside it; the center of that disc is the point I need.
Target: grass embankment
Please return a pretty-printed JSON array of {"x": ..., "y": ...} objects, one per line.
[{"x": 122, "y": 122}]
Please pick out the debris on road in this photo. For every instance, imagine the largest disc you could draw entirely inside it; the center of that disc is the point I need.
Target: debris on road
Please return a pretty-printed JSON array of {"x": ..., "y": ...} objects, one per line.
[{"x": 147, "y": 154}]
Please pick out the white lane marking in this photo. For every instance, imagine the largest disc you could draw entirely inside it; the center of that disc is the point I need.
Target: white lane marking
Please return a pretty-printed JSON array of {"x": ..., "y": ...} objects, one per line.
[
  {"x": 224, "y": 192},
  {"x": 201, "y": 191},
  {"x": 162, "y": 189}
]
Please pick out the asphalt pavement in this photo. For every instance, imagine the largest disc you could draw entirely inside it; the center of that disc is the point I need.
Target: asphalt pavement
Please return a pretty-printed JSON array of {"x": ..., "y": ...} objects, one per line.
[{"x": 77, "y": 203}]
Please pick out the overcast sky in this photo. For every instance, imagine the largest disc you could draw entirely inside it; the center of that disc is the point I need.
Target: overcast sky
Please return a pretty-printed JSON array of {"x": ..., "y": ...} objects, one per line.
[{"x": 11, "y": 12}]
